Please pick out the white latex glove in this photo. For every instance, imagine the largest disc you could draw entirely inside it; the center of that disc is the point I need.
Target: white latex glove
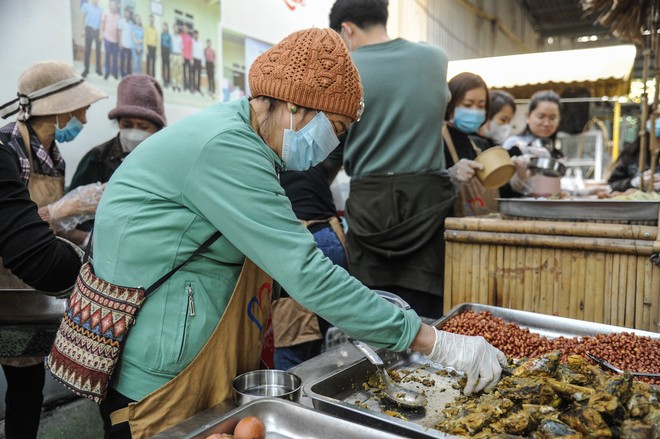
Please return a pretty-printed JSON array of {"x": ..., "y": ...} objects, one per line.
[
  {"x": 74, "y": 208},
  {"x": 536, "y": 151},
  {"x": 481, "y": 362},
  {"x": 463, "y": 171},
  {"x": 521, "y": 181},
  {"x": 635, "y": 182}
]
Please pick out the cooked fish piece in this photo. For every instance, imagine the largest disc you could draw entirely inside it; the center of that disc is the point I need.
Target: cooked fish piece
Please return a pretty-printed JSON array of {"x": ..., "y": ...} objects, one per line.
[
  {"x": 527, "y": 390},
  {"x": 587, "y": 421},
  {"x": 638, "y": 405},
  {"x": 520, "y": 423},
  {"x": 551, "y": 428},
  {"x": 620, "y": 386},
  {"x": 545, "y": 365},
  {"x": 568, "y": 375},
  {"x": 593, "y": 373},
  {"x": 607, "y": 404},
  {"x": 571, "y": 391},
  {"x": 635, "y": 429}
]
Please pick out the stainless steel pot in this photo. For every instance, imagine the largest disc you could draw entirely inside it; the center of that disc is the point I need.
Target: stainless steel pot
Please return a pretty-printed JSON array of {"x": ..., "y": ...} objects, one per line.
[
  {"x": 266, "y": 383},
  {"x": 547, "y": 166}
]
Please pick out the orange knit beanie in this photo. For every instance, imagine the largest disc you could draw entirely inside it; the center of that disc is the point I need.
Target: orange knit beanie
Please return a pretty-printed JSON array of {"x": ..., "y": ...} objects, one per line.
[{"x": 310, "y": 68}]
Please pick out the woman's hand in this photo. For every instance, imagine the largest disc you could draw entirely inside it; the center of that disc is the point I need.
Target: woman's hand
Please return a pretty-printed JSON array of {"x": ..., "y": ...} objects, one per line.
[
  {"x": 478, "y": 359},
  {"x": 464, "y": 170}
]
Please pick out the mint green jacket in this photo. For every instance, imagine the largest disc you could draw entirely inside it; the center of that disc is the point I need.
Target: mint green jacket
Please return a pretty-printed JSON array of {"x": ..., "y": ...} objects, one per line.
[{"x": 210, "y": 172}]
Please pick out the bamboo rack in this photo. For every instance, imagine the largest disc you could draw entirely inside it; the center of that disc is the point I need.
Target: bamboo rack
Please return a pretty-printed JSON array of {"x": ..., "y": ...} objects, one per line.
[{"x": 595, "y": 272}]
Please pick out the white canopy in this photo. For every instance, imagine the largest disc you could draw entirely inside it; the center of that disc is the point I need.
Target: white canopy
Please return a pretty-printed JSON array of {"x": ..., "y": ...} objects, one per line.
[{"x": 559, "y": 67}]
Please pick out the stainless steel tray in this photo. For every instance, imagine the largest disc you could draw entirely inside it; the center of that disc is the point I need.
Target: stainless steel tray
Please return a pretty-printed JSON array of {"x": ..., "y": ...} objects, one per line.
[
  {"x": 28, "y": 322},
  {"x": 580, "y": 209},
  {"x": 337, "y": 393},
  {"x": 543, "y": 324},
  {"x": 283, "y": 420}
]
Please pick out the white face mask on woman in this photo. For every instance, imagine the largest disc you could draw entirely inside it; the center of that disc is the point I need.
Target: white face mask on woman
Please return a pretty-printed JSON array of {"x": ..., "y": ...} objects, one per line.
[
  {"x": 496, "y": 132},
  {"x": 130, "y": 138}
]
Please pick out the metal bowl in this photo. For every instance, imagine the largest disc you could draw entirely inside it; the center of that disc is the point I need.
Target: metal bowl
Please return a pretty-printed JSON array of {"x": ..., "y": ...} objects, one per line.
[
  {"x": 547, "y": 166},
  {"x": 266, "y": 383}
]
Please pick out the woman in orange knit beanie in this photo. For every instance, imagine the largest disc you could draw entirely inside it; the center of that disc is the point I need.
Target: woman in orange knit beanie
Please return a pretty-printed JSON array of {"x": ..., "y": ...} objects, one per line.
[{"x": 213, "y": 177}]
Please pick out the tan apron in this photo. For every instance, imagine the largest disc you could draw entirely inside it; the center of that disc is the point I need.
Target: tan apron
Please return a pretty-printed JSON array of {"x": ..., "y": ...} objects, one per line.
[
  {"x": 473, "y": 198},
  {"x": 233, "y": 348},
  {"x": 43, "y": 191},
  {"x": 294, "y": 324}
]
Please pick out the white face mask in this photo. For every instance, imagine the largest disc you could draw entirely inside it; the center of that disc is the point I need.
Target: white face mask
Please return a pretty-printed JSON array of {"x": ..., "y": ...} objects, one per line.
[
  {"x": 130, "y": 138},
  {"x": 496, "y": 132}
]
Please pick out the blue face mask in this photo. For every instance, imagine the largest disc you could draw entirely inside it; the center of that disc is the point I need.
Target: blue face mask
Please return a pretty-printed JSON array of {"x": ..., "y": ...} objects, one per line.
[
  {"x": 310, "y": 146},
  {"x": 468, "y": 120},
  {"x": 657, "y": 126},
  {"x": 70, "y": 130}
]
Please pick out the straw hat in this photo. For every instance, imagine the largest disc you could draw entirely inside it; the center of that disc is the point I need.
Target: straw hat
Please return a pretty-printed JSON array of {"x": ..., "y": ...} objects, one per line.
[
  {"x": 51, "y": 87},
  {"x": 310, "y": 68}
]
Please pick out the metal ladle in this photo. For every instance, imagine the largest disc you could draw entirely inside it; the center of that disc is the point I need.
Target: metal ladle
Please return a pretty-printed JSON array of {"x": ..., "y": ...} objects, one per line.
[
  {"x": 396, "y": 393},
  {"x": 612, "y": 367}
]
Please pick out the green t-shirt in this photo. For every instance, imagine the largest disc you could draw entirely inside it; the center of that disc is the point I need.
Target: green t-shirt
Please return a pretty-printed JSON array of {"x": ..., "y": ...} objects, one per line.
[{"x": 405, "y": 94}]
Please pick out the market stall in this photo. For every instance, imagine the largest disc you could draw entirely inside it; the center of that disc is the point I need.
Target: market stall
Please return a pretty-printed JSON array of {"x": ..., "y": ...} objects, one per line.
[{"x": 340, "y": 400}]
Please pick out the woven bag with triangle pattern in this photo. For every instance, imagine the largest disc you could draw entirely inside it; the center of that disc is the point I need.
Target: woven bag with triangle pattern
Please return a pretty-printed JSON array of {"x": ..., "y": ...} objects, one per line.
[{"x": 91, "y": 336}]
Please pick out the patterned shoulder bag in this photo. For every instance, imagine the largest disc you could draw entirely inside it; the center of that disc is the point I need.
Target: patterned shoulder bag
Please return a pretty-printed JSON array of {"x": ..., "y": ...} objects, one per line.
[{"x": 91, "y": 336}]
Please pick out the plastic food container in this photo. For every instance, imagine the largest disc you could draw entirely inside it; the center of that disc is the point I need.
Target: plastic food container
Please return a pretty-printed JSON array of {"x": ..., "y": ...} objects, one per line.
[
  {"x": 266, "y": 383},
  {"x": 498, "y": 167}
]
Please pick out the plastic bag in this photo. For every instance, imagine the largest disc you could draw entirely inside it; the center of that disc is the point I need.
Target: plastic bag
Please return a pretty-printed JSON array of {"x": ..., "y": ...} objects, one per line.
[{"x": 74, "y": 208}]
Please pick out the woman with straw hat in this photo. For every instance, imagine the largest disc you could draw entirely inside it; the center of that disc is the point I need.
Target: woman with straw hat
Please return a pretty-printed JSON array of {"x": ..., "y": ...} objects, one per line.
[{"x": 51, "y": 105}]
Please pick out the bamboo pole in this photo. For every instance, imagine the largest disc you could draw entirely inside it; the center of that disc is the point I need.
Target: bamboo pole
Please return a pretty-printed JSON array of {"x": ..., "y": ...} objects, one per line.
[
  {"x": 599, "y": 287},
  {"x": 499, "y": 275},
  {"x": 609, "y": 290},
  {"x": 627, "y": 246},
  {"x": 564, "y": 294},
  {"x": 598, "y": 230},
  {"x": 448, "y": 279},
  {"x": 631, "y": 290},
  {"x": 581, "y": 285},
  {"x": 589, "y": 290},
  {"x": 654, "y": 324},
  {"x": 520, "y": 277},
  {"x": 544, "y": 303},
  {"x": 623, "y": 281},
  {"x": 643, "y": 299}
]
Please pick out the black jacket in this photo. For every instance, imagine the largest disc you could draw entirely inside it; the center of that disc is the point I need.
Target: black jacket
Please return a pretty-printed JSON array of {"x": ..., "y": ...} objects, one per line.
[{"x": 27, "y": 245}]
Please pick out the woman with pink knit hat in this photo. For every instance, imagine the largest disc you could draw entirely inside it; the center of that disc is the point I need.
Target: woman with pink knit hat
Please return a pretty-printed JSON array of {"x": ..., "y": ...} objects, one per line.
[
  {"x": 214, "y": 177},
  {"x": 139, "y": 113}
]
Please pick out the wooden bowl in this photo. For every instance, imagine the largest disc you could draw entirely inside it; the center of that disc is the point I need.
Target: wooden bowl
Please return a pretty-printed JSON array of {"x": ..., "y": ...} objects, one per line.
[{"x": 498, "y": 167}]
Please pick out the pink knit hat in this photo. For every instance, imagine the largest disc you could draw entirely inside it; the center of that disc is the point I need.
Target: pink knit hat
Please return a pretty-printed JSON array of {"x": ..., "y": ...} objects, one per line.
[{"x": 140, "y": 96}]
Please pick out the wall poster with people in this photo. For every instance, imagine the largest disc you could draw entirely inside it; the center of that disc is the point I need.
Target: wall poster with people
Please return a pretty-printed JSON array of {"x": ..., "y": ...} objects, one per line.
[{"x": 171, "y": 40}]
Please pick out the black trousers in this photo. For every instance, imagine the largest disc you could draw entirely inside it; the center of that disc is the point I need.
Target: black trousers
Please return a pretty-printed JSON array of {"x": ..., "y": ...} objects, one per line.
[
  {"x": 114, "y": 401},
  {"x": 151, "y": 61},
  {"x": 165, "y": 57},
  {"x": 125, "y": 61},
  {"x": 210, "y": 75},
  {"x": 197, "y": 73},
  {"x": 188, "y": 83},
  {"x": 92, "y": 36},
  {"x": 23, "y": 400}
]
